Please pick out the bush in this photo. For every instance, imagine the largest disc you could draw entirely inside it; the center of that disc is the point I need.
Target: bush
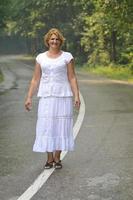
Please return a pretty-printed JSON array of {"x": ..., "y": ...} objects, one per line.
[
  {"x": 99, "y": 57},
  {"x": 1, "y": 76}
]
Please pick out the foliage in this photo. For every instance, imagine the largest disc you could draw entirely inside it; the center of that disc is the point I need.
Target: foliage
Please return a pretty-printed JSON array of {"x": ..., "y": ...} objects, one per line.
[
  {"x": 112, "y": 71},
  {"x": 97, "y": 31},
  {"x": 1, "y": 76},
  {"x": 4, "y": 13},
  {"x": 108, "y": 30}
]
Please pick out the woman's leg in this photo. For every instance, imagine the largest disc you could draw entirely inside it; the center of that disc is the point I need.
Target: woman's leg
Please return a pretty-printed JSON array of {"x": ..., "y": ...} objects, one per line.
[
  {"x": 57, "y": 156},
  {"x": 50, "y": 157},
  {"x": 50, "y": 160}
]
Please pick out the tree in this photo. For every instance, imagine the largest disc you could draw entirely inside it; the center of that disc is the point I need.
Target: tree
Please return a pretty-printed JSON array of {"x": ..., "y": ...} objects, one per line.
[
  {"x": 32, "y": 19},
  {"x": 4, "y": 12},
  {"x": 106, "y": 30}
]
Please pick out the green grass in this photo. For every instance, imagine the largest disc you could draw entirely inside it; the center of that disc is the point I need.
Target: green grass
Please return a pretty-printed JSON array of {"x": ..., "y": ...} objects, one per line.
[
  {"x": 28, "y": 59},
  {"x": 1, "y": 77},
  {"x": 112, "y": 72}
]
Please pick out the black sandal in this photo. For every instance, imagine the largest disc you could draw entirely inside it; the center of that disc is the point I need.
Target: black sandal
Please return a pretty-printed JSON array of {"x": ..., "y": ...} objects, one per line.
[
  {"x": 58, "y": 165},
  {"x": 48, "y": 165}
]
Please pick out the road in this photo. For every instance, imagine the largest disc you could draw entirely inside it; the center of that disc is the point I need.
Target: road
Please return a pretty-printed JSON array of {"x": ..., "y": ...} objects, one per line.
[{"x": 100, "y": 168}]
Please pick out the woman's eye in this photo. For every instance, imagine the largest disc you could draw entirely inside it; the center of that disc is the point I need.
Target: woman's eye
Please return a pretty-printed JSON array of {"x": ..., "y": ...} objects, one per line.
[{"x": 54, "y": 39}]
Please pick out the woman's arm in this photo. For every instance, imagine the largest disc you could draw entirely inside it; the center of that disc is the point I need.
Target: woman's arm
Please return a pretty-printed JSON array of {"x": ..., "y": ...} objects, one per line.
[
  {"x": 73, "y": 82},
  {"x": 33, "y": 86}
]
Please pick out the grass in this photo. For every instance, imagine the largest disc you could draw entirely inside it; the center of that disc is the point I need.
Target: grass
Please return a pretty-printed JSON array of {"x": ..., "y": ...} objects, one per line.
[
  {"x": 112, "y": 72},
  {"x": 28, "y": 59},
  {"x": 1, "y": 77}
]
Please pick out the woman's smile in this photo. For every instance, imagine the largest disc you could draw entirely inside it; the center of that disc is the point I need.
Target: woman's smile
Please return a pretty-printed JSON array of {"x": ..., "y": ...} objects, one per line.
[{"x": 54, "y": 41}]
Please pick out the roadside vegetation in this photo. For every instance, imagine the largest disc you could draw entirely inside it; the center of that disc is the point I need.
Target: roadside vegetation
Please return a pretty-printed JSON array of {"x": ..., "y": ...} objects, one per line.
[
  {"x": 1, "y": 77},
  {"x": 114, "y": 72},
  {"x": 98, "y": 33},
  {"x": 28, "y": 59}
]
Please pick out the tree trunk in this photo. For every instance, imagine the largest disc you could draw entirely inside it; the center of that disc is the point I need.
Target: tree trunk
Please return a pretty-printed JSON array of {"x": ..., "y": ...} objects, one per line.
[
  {"x": 34, "y": 45},
  {"x": 28, "y": 45},
  {"x": 113, "y": 40}
]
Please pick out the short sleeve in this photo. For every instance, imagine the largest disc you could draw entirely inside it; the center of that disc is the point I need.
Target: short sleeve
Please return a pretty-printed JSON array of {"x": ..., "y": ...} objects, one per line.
[
  {"x": 38, "y": 59},
  {"x": 69, "y": 57}
]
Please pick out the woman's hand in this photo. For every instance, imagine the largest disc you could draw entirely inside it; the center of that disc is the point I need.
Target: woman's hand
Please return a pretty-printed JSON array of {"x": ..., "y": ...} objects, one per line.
[
  {"x": 28, "y": 104},
  {"x": 77, "y": 102}
]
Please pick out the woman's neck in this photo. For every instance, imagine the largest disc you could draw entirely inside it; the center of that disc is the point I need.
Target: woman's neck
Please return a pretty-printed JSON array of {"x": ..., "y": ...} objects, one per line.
[{"x": 54, "y": 51}]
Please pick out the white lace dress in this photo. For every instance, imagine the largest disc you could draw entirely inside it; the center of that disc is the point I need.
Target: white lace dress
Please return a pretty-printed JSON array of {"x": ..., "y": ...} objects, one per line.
[{"x": 54, "y": 128}]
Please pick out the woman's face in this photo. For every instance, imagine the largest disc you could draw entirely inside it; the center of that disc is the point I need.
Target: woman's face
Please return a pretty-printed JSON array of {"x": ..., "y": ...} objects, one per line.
[{"x": 54, "y": 42}]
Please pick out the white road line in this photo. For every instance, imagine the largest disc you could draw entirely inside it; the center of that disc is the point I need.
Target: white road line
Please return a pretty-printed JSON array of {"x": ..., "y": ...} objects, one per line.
[{"x": 42, "y": 178}]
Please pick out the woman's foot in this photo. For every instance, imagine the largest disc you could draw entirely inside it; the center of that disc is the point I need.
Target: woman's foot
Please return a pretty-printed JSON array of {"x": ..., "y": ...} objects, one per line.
[
  {"x": 48, "y": 165},
  {"x": 57, "y": 164},
  {"x": 57, "y": 161}
]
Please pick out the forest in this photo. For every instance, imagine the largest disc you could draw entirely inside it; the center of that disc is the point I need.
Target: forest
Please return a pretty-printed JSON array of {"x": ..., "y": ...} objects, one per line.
[{"x": 97, "y": 32}]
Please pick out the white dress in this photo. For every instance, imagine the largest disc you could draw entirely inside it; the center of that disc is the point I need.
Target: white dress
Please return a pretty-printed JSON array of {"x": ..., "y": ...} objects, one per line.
[{"x": 54, "y": 128}]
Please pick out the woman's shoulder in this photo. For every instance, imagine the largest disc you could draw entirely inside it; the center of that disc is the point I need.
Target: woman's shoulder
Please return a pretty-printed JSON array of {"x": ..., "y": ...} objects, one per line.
[
  {"x": 67, "y": 53},
  {"x": 40, "y": 56},
  {"x": 68, "y": 56}
]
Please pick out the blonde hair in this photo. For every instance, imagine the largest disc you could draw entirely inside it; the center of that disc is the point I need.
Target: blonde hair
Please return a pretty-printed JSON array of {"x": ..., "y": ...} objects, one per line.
[{"x": 52, "y": 31}]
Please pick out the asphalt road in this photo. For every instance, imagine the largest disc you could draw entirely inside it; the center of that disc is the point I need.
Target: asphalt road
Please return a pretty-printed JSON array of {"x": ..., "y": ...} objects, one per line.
[{"x": 100, "y": 168}]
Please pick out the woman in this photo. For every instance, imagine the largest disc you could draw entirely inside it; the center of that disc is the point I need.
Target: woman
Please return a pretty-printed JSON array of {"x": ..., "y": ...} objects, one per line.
[{"x": 54, "y": 74}]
